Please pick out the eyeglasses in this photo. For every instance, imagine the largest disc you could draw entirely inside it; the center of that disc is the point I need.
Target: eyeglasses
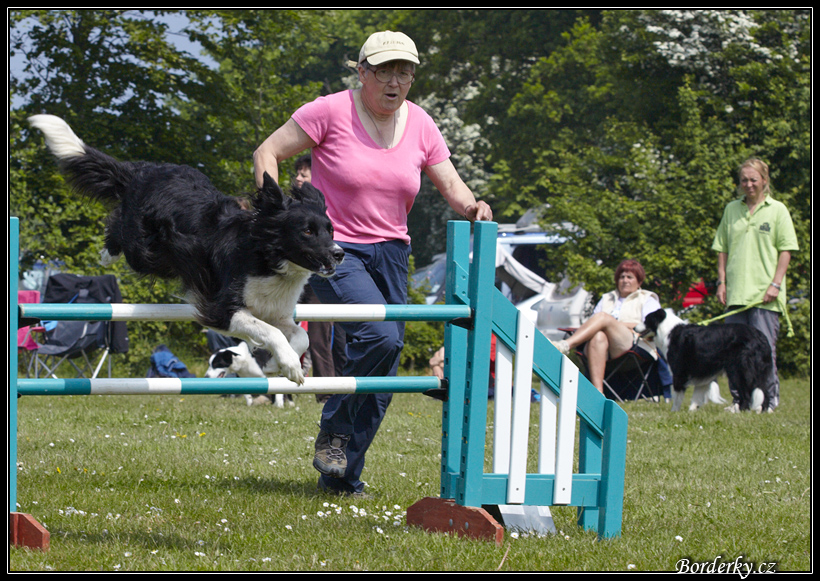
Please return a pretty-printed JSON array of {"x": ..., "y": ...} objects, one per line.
[{"x": 385, "y": 75}]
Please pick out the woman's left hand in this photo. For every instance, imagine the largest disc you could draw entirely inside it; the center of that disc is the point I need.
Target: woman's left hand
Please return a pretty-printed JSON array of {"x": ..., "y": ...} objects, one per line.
[{"x": 771, "y": 294}]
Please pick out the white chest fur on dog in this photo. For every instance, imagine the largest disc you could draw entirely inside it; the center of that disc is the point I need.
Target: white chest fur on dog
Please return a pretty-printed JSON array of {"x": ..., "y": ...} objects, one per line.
[
  {"x": 270, "y": 303},
  {"x": 273, "y": 298}
]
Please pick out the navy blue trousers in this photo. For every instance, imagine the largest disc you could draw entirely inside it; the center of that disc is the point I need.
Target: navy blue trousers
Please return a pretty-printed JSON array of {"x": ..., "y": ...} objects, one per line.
[{"x": 370, "y": 274}]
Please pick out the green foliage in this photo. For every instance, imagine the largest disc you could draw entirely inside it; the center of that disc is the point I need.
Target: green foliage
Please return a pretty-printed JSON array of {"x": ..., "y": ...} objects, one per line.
[
  {"x": 631, "y": 134},
  {"x": 628, "y": 124},
  {"x": 421, "y": 338}
]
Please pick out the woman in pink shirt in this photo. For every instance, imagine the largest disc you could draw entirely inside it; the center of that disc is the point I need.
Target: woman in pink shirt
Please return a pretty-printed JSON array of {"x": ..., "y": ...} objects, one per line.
[{"x": 369, "y": 147}]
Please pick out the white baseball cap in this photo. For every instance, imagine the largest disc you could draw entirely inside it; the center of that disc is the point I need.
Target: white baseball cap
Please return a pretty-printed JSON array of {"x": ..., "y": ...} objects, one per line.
[{"x": 387, "y": 46}]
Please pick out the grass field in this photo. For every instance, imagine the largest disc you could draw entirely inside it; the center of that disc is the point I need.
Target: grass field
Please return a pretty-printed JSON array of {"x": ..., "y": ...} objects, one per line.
[{"x": 204, "y": 483}]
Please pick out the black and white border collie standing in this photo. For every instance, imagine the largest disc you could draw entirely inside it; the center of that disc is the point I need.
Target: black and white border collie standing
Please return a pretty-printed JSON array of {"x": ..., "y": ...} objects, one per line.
[
  {"x": 239, "y": 360},
  {"x": 243, "y": 270},
  {"x": 698, "y": 354}
]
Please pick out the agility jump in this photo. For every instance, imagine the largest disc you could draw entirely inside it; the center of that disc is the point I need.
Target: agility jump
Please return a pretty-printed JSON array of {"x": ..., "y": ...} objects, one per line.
[{"x": 474, "y": 311}]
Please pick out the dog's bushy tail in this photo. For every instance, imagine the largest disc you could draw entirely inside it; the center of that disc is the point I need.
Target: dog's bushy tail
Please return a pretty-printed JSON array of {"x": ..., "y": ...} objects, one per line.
[
  {"x": 87, "y": 170},
  {"x": 758, "y": 398}
]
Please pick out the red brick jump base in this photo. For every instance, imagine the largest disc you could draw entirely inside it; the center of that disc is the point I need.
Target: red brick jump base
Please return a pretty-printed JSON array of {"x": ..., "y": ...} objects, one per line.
[
  {"x": 445, "y": 516},
  {"x": 24, "y": 531}
]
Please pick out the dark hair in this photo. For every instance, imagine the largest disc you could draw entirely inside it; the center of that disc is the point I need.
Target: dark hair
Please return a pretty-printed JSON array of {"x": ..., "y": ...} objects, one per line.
[
  {"x": 303, "y": 161},
  {"x": 632, "y": 266}
]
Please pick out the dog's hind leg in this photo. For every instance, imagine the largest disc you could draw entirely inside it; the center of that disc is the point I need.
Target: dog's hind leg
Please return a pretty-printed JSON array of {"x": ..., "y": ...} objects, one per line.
[
  {"x": 700, "y": 395},
  {"x": 261, "y": 335},
  {"x": 677, "y": 399},
  {"x": 714, "y": 393}
]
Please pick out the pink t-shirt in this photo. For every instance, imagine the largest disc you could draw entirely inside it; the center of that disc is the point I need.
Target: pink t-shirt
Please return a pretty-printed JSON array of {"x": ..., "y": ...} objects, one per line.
[{"x": 369, "y": 190}]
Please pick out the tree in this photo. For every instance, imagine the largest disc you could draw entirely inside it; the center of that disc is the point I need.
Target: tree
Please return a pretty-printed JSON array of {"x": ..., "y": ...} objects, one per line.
[
  {"x": 632, "y": 132},
  {"x": 108, "y": 73},
  {"x": 259, "y": 82}
]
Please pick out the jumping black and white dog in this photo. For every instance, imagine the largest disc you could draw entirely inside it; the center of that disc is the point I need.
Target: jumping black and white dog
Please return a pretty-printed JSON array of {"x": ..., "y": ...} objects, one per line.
[
  {"x": 243, "y": 270},
  {"x": 240, "y": 361},
  {"x": 698, "y": 354}
]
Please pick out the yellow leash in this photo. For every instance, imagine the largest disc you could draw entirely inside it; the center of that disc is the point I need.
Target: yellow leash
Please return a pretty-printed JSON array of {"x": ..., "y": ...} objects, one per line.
[{"x": 789, "y": 328}]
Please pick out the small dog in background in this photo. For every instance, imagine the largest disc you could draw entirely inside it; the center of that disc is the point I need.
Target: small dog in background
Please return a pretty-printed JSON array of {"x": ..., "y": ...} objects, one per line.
[
  {"x": 240, "y": 361},
  {"x": 698, "y": 354}
]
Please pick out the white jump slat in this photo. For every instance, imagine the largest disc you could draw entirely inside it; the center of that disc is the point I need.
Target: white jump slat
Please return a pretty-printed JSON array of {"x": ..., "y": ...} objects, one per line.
[
  {"x": 522, "y": 387},
  {"x": 562, "y": 493},
  {"x": 548, "y": 422},
  {"x": 503, "y": 408}
]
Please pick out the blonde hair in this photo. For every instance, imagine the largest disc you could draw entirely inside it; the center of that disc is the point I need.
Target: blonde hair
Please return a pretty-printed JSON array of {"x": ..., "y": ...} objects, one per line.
[{"x": 760, "y": 167}]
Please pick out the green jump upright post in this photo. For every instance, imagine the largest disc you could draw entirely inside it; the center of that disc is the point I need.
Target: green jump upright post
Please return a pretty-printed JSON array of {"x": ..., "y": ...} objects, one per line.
[
  {"x": 455, "y": 354},
  {"x": 467, "y": 369},
  {"x": 24, "y": 531},
  {"x": 14, "y": 252},
  {"x": 469, "y": 485},
  {"x": 467, "y": 360}
]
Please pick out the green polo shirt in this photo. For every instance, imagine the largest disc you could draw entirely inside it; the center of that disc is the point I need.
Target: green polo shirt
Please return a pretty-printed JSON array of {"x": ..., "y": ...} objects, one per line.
[{"x": 753, "y": 243}]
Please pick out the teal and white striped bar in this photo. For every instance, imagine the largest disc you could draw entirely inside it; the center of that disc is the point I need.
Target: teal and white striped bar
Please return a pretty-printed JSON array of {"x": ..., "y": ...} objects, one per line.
[
  {"x": 202, "y": 386},
  {"x": 185, "y": 312}
]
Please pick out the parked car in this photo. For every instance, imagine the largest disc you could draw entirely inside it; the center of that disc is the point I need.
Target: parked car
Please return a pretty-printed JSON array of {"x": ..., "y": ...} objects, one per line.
[{"x": 520, "y": 266}]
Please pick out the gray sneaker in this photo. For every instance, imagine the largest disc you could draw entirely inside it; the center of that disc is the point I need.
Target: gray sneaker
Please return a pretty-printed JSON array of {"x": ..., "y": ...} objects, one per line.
[{"x": 330, "y": 457}]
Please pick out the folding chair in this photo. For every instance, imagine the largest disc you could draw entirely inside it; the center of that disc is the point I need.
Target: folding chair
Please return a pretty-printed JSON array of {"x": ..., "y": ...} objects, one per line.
[
  {"x": 631, "y": 376},
  {"x": 75, "y": 343},
  {"x": 72, "y": 342},
  {"x": 628, "y": 376}
]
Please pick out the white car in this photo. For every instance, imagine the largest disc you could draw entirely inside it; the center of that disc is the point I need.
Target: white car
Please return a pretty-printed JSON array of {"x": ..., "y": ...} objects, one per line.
[{"x": 552, "y": 306}]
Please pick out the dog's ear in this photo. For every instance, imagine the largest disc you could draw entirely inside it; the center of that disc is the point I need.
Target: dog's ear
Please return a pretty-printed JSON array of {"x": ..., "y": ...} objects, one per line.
[
  {"x": 308, "y": 194},
  {"x": 270, "y": 198},
  {"x": 222, "y": 359}
]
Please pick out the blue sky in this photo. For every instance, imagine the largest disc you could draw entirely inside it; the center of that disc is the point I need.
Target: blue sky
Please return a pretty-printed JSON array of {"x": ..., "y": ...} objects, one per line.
[{"x": 176, "y": 24}]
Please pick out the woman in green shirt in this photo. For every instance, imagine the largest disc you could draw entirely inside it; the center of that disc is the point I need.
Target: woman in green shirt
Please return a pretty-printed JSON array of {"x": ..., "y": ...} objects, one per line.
[{"x": 754, "y": 242}]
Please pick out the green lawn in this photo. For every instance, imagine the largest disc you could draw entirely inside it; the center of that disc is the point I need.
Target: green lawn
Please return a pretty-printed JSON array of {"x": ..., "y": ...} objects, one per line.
[{"x": 204, "y": 483}]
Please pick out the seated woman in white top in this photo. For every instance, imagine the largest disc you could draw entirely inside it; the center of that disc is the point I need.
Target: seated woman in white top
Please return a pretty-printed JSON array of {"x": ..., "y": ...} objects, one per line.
[{"x": 609, "y": 332}]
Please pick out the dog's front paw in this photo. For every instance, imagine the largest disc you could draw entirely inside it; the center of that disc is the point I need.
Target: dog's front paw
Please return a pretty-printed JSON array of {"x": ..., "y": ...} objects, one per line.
[{"x": 291, "y": 367}]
